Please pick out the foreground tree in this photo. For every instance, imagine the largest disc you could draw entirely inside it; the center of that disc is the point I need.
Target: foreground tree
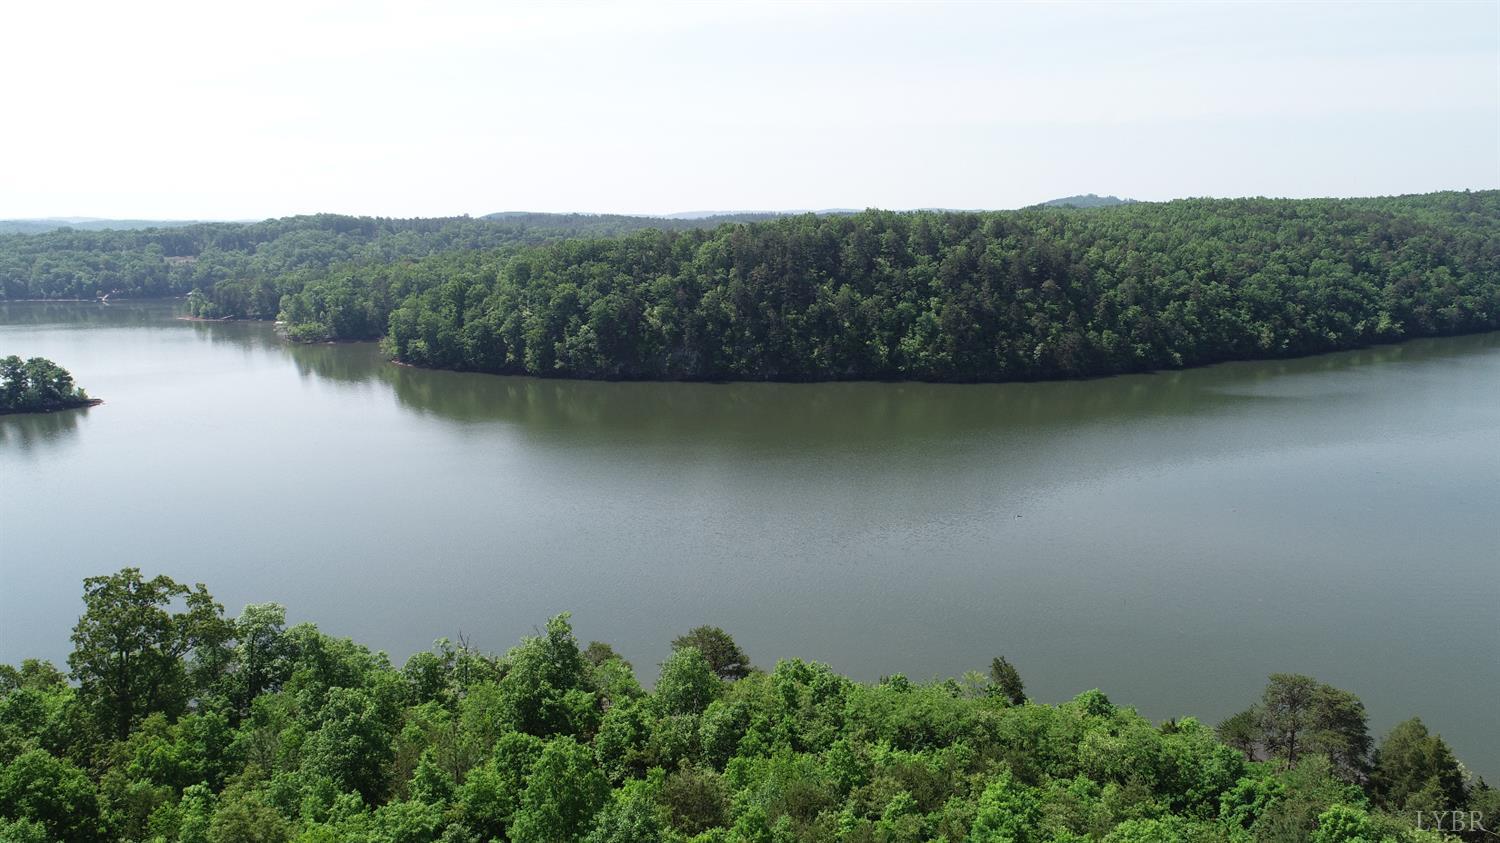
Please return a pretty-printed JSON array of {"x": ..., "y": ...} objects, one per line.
[
  {"x": 564, "y": 792},
  {"x": 724, "y": 656},
  {"x": 129, "y": 646},
  {"x": 1007, "y": 680},
  {"x": 1298, "y": 715},
  {"x": 52, "y": 792},
  {"x": 1415, "y": 770},
  {"x": 262, "y": 654},
  {"x": 339, "y": 745}
]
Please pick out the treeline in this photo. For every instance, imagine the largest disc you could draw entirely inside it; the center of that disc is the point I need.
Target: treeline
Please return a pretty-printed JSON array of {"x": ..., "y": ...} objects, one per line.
[
  {"x": 944, "y": 296},
  {"x": 243, "y": 269},
  {"x": 950, "y": 296},
  {"x": 183, "y": 725},
  {"x": 37, "y": 385}
]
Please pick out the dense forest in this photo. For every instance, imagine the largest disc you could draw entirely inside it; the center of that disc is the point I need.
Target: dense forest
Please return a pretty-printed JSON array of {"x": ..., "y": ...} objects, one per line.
[
  {"x": 928, "y": 295},
  {"x": 44, "y": 226},
  {"x": 37, "y": 385},
  {"x": 176, "y": 723},
  {"x": 1084, "y": 200},
  {"x": 245, "y": 268},
  {"x": 940, "y": 295}
]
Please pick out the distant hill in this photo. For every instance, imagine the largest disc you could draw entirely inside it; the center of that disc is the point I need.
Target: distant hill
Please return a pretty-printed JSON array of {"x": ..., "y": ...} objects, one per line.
[
  {"x": 1086, "y": 200},
  {"x": 703, "y": 215},
  {"x": 46, "y": 224},
  {"x": 585, "y": 223}
]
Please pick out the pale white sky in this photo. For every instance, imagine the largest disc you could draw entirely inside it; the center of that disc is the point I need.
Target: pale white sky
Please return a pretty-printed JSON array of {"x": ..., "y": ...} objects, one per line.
[{"x": 248, "y": 110}]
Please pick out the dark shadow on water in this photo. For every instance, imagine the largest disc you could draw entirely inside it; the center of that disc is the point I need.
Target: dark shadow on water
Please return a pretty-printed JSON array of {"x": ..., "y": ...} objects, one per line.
[
  {"x": 839, "y": 414},
  {"x": 856, "y": 412},
  {"x": 28, "y": 432},
  {"x": 89, "y": 314}
]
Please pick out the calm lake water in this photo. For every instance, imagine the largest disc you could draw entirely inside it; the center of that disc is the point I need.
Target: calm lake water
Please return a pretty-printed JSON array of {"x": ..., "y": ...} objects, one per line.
[{"x": 1169, "y": 538}]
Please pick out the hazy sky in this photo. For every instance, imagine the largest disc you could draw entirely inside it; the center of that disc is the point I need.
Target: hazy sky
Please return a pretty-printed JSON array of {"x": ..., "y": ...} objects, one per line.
[{"x": 248, "y": 110}]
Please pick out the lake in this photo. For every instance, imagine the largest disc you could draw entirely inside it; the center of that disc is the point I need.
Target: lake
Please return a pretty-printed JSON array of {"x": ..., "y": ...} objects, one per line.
[{"x": 1169, "y": 538}]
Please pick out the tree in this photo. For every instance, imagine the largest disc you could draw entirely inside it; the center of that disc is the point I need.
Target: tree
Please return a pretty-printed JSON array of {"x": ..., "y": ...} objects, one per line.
[
  {"x": 724, "y": 656},
  {"x": 547, "y": 681},
  {"x": 599, "y": 652},
  {"x": 1341, "y": 732},
  {"x": 1298, "y": 715},
  {"x": 1343, "y": 824},
  {"x": 13, "y": 382},
  {"x": 1286, "y": 715},
  {"x": 564, "y": 792},
  {"x": 245, "y": 816},
  {"x": 696, "y": 799},
  {"x": 687, "y": 683},
  {"x": 34, "y": 674},
  {"x": 262, "y": 653},
  {"x": 1007, "y": 680},
  {"x": 491, "y": 793},
  {"x": 128, "y": 646},
  {"x": 36, "y": 384},
  {"x": 1008, "y": 812},
  {"x": 1415, "y": 770},
  {"x": 50, "y": 791},
  {"x": 630, "y": 816},
  {"x": 1241, "y": 731},
  {"x": 353, "y": 744}
]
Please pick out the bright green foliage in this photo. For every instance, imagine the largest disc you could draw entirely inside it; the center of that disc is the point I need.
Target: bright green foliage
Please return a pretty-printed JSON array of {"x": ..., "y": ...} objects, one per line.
[
  {"x": 631, "y": 816},
  {"x": 51, "y": 791},
  {"x": 1343, "y": 824},
  {"x": 24, "y": 831},
  {"x": 491, "y": 793},
  {"x": 615, "y": 681},
  {"x": 1160, "y": 830},
  {"x": 687, "y": 683},
  {"x": 35, "y": 385},
  {"x": 547, "y": 686},
  {"x": 562, "y": 795},
  {"x": 288, "y": 734},
  {"x": 38, "y": 711},
  {"x": 1008, "y": 813},
  {"x": 194, "y": 814}
]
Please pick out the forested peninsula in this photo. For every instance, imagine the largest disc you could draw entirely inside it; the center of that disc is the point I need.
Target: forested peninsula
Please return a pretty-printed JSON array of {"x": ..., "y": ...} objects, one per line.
[
  {"x": 37, "y": 385},
  {"x": 177, "y": 724},
  {"x": 939, "y": 296}
]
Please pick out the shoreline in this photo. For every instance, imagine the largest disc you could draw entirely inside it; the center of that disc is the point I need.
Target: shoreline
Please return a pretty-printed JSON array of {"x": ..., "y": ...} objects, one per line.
[
  {"x": 1228, "y": 360},
  {"x": 76, "y": 405}
]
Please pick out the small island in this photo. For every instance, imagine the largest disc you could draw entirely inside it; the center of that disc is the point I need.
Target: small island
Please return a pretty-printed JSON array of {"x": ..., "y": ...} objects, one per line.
[{"x": 38, "y": 385}]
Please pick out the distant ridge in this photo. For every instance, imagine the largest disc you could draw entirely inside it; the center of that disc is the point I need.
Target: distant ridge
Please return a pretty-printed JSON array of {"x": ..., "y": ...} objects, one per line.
[
  {"x": 585, "y": 220},
  {"x": 700, "y": 215},
  {"x": 1084, "y": 200},
  {"x": 42, "y": 225}
]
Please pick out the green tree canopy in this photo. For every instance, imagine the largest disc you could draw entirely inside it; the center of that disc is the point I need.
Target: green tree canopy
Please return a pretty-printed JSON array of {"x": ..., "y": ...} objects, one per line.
[
  {"x": 129, "y": 646},
  {"x": 724, "y": 656}
]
